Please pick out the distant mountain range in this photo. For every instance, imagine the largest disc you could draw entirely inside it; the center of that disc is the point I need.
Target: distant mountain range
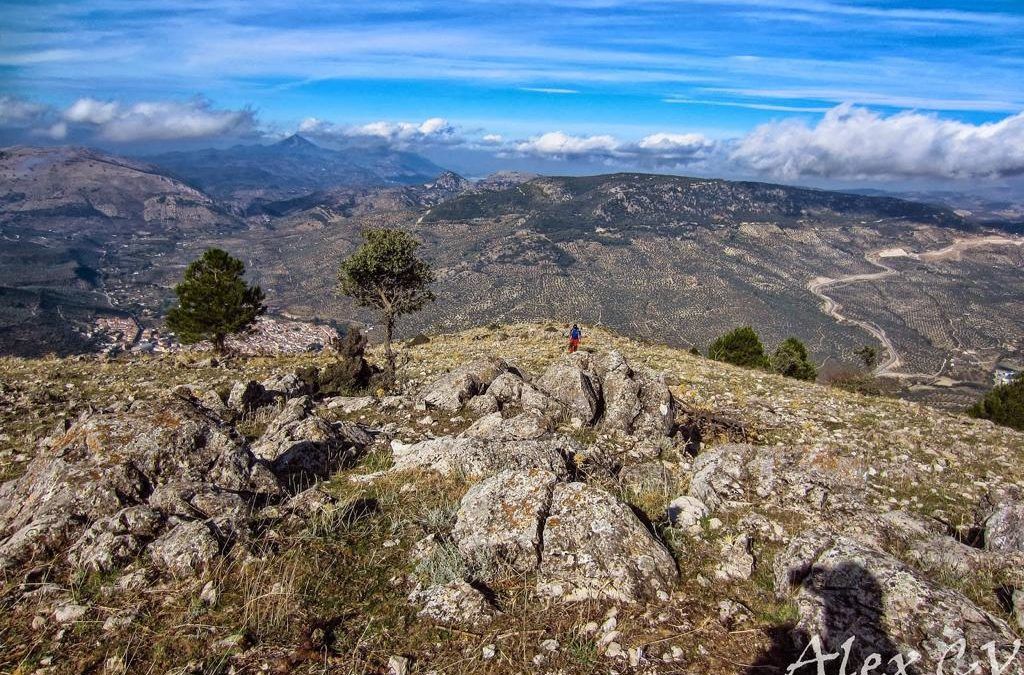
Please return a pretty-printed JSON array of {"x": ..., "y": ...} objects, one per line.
[
  {"x": 292, "y": 167},
  {"x": 681, "y": 260}
]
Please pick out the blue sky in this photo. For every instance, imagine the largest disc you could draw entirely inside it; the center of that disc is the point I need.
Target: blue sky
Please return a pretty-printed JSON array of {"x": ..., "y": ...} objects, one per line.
[{"x": 698, "y": 85}]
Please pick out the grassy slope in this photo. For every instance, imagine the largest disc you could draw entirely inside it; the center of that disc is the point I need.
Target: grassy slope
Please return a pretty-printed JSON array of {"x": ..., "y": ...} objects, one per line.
[{"x": 334, "y": 596}]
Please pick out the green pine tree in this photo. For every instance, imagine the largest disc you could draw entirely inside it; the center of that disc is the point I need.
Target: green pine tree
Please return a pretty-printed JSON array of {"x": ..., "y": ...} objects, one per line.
[
  {"x": 790, "y": 359},
  {"x": 740, "y": 347},
  {"x": 214, "y": 301},
  {"x": 385, "y": 274},
  {"x": 1003, "y": 405}
]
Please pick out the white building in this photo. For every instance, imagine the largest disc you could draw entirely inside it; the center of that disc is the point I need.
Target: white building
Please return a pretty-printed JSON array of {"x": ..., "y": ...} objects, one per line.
[{"x": 1006, "y": 372}]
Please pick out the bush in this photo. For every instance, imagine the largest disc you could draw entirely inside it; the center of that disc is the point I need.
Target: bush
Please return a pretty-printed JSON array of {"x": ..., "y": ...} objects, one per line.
[
  {"x": 740, "y": 347},
  {"x": 790, "y": 359},
  {"x": 1003, "y": 405}
]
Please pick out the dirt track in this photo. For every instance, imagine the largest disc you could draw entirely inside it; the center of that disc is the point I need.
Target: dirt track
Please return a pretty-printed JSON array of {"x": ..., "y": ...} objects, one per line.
[{"x": 892, "y": 361}]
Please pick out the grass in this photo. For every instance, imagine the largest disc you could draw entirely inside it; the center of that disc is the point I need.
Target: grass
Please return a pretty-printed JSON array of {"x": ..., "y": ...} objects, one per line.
[{"x": 333, "y": 596}]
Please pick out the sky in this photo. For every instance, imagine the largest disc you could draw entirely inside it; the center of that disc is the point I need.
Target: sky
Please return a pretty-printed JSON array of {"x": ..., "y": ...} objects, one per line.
[{"x": 833, "y": 92}]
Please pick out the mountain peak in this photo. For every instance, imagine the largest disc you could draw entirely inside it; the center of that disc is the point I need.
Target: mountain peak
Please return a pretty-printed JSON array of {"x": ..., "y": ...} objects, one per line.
[{"x": 296, "y": 141}]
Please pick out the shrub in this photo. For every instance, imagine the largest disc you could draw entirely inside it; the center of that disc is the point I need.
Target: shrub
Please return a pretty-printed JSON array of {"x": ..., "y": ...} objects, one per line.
[
  {"x": 790, "y": 359},
  {"x": 740, "y": 347},
  {"x": 1003, "y": 405}
]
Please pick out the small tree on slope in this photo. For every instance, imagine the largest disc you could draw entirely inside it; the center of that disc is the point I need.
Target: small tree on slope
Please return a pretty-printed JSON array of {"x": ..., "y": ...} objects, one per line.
[
  {"x": 385, "y": 274},
  {"x": 214, "y": 301},
  {"x": 790, "y": 359},
  {"x": 740, "y": 347}
]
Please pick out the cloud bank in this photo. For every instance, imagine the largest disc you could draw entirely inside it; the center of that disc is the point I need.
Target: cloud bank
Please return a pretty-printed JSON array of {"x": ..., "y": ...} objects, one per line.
[
  {"x": 855, "y": 142},
  {"x": 847, "y": 142}
]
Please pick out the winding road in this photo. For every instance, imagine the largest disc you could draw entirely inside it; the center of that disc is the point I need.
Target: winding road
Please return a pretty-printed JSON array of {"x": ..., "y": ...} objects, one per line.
[{"x": 819, "y": 286}]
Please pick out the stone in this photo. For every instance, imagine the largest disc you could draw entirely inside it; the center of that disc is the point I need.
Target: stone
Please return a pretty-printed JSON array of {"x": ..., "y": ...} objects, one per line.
[
  {"x": 186, "y": 550},
  {"x": 845, "y": 588},
  {"x": 1004, "y": 529},
  {"x": 398, "y": 665},
  {"x": 208, "y": 595},
  {"x": 686, "y": 512},
  {"x": 524, "y": 426},
  {"x": 735, "y": 561},
  {"x": 568, "y": 383},
  {"x": 594, "y": 547},
  {"x": 453, "y": 389},
  {"x": 247, "y": 396},
  {"x": 477, "y": 458},
  {"x": 348, "y": 404},
  {"x": 488, "y": 652},
  {"x": 302, "y": 447},
  {"x": 498, "y": 525},
  {"x": 719, "y": 475},
  {"x": 88, "y": 477},
  {"x": 453, "y": 604},
  {"x": 484, "y": 404},
  {"x": 69, "y": 612},
  {"x": 289, "y": 385}
]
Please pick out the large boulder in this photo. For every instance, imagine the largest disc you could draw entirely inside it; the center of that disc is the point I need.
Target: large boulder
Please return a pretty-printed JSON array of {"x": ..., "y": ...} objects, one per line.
[
  {"x": 303, "y": 447},
  {"x": 453, "y": 389},
  {"x": 108, "y": 462},
  {"x": 478, "y": 458},
  {"x": 570, "y": 384},
  {"x": 845, "y": 588},
  {"x": 498, "y": 526},
  {"x": 594, "y": 547},
  {"x": 634, "y": 404},
  {"x": 186, "y": 550},
  {"x": 1004, "y": 529},
  {"x": 524, "y": 426}
]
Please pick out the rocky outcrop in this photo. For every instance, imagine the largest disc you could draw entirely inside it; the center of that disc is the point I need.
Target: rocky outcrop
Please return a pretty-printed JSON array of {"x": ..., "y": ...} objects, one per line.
[
  {"x": 303, "y": 447},
  {"x": 88, "y": 478},
  {"x": 596, "y": 548},
  {"x": 1004, "y": 529},
  {"x": 844, "y": 588},
  {"x": 453, "y": 389},
  {"x": 477, "y": 458}
]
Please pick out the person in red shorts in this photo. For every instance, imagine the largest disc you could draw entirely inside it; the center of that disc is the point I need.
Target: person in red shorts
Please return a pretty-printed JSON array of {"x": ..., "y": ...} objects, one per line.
[{"x": 575, "y": 335}]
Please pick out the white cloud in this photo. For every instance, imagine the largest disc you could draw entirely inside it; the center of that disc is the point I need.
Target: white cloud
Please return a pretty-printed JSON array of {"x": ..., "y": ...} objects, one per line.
[
  {"x": 854, "y": 142},
  {"x": 158, "y": 120},
  {"x": 492, "y": 139},
  {"x": 433, "y": 131},
  {"x": 557, "y": 144},
  {"x": 549, "y": 90},
  {"x": 659, "y": 148},
  {"x": 91, "y": 111}
]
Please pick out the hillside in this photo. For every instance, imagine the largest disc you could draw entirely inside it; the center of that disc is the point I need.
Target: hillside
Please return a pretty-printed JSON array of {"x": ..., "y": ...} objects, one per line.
[
  {"x": 675, "y": 259},
  {"x": 258, "y": 528},
  {"x": 293, "y": 167},
  {"x": 566, "y": 207}
]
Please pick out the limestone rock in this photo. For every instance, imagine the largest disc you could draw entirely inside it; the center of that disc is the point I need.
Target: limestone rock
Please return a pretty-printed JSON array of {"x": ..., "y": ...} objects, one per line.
[
  {"x": 595, "y": 547},
  {"x": 685, "y": 512},
  {"x": 454, "y": 604},
  {"x": 186, "y": 550},
  {"x": 247, "y": 396},
  {"x": 845, "y": 588},
  {"x": 569, "y": 384},
  {"x": 1004, "y": 529},
  {"x": 524, "y": 426},
  {"x": 498, "y": 526},
  {"x": 107, "y": 462},
  {"x": 735, "y": 561},
  {"x": 302, "y": 446},
  {"x": 453, "y": 389},
  {"x": 478, "y": 458}
]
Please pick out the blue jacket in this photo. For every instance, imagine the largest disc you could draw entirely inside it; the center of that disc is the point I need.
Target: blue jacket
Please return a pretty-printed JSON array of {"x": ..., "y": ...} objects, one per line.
[{"x": 575, "y": 334}]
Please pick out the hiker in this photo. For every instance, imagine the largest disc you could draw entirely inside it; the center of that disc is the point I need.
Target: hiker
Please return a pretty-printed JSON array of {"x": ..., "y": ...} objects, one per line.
[{"x": 575, "y": 335}]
